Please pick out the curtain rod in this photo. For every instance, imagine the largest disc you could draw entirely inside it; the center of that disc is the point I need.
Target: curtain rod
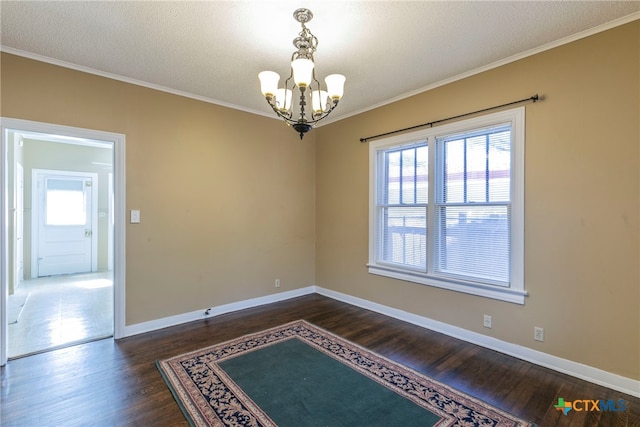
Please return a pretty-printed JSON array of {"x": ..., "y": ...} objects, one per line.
[{"x": 533, "y": 98}]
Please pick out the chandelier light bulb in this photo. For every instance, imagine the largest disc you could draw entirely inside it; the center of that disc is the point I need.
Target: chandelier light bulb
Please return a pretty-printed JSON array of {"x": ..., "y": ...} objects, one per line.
[
  {"x": 335, "y": 85},
  {"x": 269, "y": 82},
  {"x": 283, "y": 99},
  {"x": 319, "y": 100},
  {"x": 302, "y": 71}
]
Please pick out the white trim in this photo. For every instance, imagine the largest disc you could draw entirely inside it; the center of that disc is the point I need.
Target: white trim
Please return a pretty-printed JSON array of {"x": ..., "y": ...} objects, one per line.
[
  {"x": 119, "y": 165},
  {"x": 495, "y": 292},
  {"x": 4, "y": 249},
  {"x": 575, "y": 369},
  {"x": 119, "y": 236},
  {"x": 165, "y": 322},
  {"x": 110, "y": 228}
]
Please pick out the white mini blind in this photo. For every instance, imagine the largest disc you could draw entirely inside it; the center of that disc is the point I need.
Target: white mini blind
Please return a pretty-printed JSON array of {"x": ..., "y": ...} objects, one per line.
[
  {"x": 473, "y": 205},
  {"x": 402, "y": 206}
]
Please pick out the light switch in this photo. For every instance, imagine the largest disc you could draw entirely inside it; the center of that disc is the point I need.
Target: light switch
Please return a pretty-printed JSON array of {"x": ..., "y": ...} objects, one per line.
[{"x": 135, "y": 216}]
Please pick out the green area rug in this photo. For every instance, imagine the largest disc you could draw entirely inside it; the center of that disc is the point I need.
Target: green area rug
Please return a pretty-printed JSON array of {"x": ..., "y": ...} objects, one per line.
[{"x": 301, "y": 375}]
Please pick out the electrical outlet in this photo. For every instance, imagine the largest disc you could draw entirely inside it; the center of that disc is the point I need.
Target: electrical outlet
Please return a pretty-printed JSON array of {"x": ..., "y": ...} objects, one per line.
[
  {"x": 277, "y": 283},
  {"x": 487, "y": 321},
  {"x": 538, "y": 333}
]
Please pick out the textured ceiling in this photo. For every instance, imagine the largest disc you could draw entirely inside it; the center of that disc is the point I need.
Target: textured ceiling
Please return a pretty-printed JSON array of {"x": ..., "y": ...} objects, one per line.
[{"x": 213, "y": 50}]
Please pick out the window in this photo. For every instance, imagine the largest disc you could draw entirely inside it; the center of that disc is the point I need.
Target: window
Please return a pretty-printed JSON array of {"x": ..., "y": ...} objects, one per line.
[
  {"x": 65, "y": 202},
  {"x": 447, "y": 206}
]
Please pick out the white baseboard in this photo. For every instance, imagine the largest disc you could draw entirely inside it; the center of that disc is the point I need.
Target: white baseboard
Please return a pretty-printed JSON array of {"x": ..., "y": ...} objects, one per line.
[
  {"x": 165, "y": 322},
  {"x": 575, "y": 369},
  {"x": 578, "y": 370}
]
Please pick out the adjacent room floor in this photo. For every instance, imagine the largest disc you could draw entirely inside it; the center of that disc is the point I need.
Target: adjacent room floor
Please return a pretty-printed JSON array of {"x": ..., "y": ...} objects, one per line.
[{"x": 58, "y": 311}]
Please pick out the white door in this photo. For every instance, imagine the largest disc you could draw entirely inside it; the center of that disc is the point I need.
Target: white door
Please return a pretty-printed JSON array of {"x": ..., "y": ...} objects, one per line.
[{"x": 66, "y": 222}]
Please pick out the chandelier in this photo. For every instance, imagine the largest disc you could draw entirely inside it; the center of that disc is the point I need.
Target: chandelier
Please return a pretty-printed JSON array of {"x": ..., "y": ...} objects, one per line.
[{"x": 302, "y": 79}]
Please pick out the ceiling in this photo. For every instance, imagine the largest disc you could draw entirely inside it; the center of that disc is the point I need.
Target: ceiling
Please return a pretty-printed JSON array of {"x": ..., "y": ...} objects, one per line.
[{"x": 213, "y": 50}]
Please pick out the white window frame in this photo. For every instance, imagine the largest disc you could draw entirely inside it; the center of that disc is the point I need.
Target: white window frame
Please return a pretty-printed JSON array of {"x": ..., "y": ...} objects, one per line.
[{"x": 514, "y": 291}]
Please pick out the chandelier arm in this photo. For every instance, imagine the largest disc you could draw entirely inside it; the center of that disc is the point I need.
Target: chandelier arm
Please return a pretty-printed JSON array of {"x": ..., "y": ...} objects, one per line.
[
  {"x": 288, "y": 81},
  {"x": 288, "y": 117},
  {"x": 271, "y": 101},
  {"x": 314, "y": 79},
  {"x": 323, "y": 114}
]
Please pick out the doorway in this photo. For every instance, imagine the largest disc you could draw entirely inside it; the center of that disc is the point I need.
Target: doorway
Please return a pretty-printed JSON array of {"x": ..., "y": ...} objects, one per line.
[{"x": 63, "y": 252}]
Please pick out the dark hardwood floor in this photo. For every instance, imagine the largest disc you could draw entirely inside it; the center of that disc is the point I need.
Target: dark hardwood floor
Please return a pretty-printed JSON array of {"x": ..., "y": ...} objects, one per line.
[{"x": 116, "y": 383}]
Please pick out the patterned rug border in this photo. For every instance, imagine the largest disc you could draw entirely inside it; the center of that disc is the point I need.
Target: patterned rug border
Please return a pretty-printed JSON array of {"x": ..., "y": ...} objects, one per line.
[{"x": 208, "y": 397}]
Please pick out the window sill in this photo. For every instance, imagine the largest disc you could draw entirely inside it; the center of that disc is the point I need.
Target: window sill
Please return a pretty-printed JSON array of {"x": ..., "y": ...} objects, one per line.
[{"x": 487, "y": 291}]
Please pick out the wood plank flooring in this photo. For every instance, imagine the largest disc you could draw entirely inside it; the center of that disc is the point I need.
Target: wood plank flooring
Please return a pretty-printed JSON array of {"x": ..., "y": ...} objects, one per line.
[{"x": 116, "y": 383}]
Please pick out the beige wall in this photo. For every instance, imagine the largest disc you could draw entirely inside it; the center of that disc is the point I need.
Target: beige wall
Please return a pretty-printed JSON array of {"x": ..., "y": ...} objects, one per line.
[
  {"x": 227, "y": 198},
  {"x": 581, "y": 204}
]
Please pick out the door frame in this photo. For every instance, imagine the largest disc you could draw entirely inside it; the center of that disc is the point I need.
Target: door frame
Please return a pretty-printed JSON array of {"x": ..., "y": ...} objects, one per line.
[
  {"x": 19, "y": 250},
  {"x": 36, "y": 212},
  {"x": 119, "y": 199}
]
